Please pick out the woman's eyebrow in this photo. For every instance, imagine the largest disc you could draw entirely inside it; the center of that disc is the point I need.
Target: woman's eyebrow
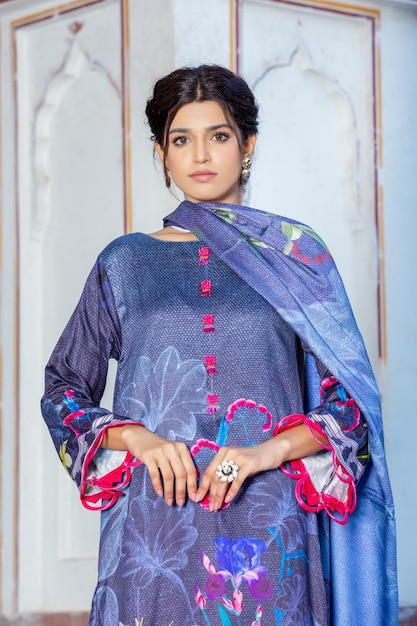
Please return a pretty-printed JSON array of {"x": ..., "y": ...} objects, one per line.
[
  {"x": 209, "y": 128},
  {"x": 217, "y": 126}
]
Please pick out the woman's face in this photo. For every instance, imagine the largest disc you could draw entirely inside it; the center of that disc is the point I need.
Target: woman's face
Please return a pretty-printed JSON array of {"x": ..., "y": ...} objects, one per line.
[{"x": 203, "y": 156}]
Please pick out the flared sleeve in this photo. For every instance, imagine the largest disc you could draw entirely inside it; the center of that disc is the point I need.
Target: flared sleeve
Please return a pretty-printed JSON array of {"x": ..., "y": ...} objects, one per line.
[
  {"x": 75, "y": 378},
  {"x": 327, "y": 480}
]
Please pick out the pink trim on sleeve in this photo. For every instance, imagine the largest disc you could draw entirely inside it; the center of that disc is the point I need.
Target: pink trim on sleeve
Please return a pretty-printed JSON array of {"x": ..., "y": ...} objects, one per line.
[
  {"x": 337, "y": 494},
  {"x": 107, "y": 488}
]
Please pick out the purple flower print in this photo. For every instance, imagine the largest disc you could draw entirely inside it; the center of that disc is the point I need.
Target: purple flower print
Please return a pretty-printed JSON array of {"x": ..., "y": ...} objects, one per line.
[
  {"x": 260, "y": 588},
  {"x": 215, "y": 586},
  {"x": 239, "y": 560}
]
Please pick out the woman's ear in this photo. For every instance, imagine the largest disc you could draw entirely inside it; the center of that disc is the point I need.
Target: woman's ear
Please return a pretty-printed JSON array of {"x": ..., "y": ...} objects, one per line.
[
  {"x": 249, "y": 146},
  {"x": 160, "y": 152}
]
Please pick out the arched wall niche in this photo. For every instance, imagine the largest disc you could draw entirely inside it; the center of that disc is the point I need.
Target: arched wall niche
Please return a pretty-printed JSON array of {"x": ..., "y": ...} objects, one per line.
[
  {"x": 71, "y": 164},
  {"x": 316, "y": 159}
]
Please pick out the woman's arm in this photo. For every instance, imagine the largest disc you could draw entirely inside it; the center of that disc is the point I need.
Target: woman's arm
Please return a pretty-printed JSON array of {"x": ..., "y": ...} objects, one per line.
[
  {"x": 169, "y": 463},
  {"x": 75, "y": 378},
  {"x": 173, "y": 473}
]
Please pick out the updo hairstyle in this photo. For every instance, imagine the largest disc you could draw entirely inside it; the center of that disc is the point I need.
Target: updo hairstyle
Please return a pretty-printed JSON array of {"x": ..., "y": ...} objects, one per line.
[{"x": 199, "y": 84}]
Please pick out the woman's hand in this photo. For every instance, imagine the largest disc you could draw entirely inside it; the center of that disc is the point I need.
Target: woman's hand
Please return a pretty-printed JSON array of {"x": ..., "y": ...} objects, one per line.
[
  {"x": 173, "y": 473},
  {"x": 169, "y": 463},
  {"x": 250, "y": 460},
  {"x": 294, "y": 443}
]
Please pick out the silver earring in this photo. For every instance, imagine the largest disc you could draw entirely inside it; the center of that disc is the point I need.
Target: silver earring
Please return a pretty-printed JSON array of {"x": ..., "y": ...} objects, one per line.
[{"x": 245, "y": 174}]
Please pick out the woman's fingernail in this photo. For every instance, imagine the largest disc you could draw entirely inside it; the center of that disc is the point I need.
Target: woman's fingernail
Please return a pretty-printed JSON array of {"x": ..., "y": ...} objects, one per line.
[
  {"x": 181, "y": 502},
  {"x": 169, "y": 501}
]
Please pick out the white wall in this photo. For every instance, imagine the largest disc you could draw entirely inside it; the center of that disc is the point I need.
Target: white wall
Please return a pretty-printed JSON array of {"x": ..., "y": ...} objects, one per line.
[
  {"x": 163, "y": 35},
  {"x": 399, "y": 178}
]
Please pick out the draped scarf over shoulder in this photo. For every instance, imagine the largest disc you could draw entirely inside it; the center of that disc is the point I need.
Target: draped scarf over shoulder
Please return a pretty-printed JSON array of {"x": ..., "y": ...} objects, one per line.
[{"x": 289, "y": 265}]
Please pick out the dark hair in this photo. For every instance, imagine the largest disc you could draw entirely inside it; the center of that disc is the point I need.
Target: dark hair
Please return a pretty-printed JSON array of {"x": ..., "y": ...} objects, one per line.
[{"x": 199, "y": 84}]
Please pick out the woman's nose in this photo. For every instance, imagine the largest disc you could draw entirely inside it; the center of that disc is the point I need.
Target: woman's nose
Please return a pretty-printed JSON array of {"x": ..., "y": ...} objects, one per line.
[{"x": 201, "y": 152}]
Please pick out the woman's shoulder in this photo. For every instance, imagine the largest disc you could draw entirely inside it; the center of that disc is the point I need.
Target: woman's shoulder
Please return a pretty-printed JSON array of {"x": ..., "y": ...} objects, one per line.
[{"x": 126, "y": 244}]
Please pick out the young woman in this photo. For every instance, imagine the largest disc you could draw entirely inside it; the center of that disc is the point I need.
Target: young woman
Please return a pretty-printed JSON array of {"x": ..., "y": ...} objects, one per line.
[{"x": 244, "y": 403}]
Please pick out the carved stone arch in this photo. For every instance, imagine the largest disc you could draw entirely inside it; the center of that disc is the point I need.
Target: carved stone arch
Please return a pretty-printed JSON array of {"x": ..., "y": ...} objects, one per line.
[
  {"x": 316, "y": 152},
  {"x": 75, "y": 62},
  {"x": 300, "y": 62}
]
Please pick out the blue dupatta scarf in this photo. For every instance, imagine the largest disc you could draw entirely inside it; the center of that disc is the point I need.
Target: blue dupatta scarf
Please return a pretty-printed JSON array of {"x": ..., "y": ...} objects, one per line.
[{"x": 289, "y": 265}]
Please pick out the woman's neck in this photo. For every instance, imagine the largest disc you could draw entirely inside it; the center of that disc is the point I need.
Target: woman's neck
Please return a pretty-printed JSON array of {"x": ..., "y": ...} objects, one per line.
[{"x": 173, "y": 234}]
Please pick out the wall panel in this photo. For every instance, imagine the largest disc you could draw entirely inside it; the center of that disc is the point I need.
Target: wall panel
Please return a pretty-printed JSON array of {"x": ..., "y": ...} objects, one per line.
[
  {"x": 314, "y": 77},
  {"x": 70, "y": 203}
]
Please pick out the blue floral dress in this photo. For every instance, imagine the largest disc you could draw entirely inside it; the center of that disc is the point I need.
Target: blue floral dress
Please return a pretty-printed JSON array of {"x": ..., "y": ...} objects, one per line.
[{"x": 203, "y": 359}]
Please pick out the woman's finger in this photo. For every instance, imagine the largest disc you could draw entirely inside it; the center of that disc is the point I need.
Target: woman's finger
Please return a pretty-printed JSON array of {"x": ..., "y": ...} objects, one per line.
[
  {"x": 184, "y": 472},
  {"x": 210, "y": 482},
  {"x": 179, "y": 481},
  {"x": 167, "y": 477},
  {"x": 221, "y": 491},
  {"x": 191, "y": 473},
  {"x": 177, "y": 471},
  {"x": 155, "y": 476}
]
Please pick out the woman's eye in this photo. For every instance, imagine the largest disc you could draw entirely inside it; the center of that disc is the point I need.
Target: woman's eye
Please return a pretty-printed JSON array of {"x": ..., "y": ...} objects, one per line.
[
  {"x": 180, "y": 141},
  {"x": 221, "y": 136}
]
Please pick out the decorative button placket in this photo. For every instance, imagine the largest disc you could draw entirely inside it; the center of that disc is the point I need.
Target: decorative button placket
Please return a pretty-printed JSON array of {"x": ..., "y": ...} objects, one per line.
[
  {"x": 208, "y": 324},
  {"x": 212, "y": 401},
  {"x": 208, "y": 327},
  {"x": 203, "y": 256},
  {"x": 206, "y": 288},
  {"x": 210, "y": 363}
]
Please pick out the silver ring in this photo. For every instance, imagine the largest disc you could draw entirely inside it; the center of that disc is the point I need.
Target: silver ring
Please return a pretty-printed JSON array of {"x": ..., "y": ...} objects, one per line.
[{"x": 227, "y": 471}]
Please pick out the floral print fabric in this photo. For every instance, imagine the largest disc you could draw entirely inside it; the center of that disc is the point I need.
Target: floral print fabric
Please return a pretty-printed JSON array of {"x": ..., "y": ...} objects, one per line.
[{"x": 260, "y": 560}]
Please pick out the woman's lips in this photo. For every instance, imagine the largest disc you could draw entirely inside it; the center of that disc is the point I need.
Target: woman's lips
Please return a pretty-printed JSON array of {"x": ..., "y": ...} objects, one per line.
[{"x": 203, "y": 176}]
